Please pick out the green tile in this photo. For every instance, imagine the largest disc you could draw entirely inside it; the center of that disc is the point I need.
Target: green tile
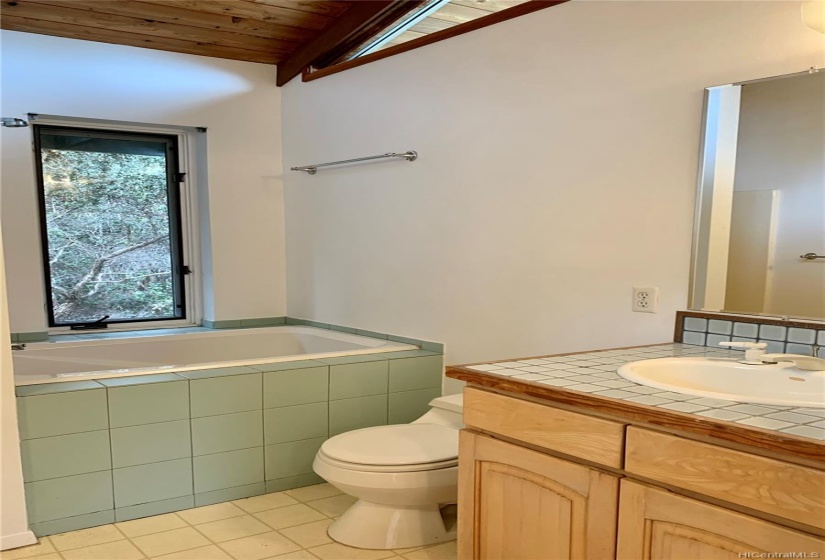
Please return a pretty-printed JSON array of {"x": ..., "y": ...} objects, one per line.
[
  {"x": 150, "y": 443},
  {"x": 263, "y": 322},
  {"x": 227, "y": 470},
  {"x": 340, "y": 328},
  {"x": 69, "y": 496},
  {"x": 147, "y": 404},
  {"x": 226, "y": 395},
  {"x": 283, "y": 366},
  {"x": 14, "y": 337},
  {"x": 154, "y": 508},
  {"x": 227, "y": 432},
  {"x": 407, "y": 406},
  {"x": 56, "y": 456},
  {"x": 50, "y": 388},
  {"x": 432, "y": 346},
  {"x": 355, "y": 359},
  {"x": 41, "y": 336},
  {"x": 291, "y": 459},
  {"x": 62, "y": 413},
  {"x": 293, "y": 423},
  {"x": 352, "y": 414},
  {"x": 404, "y": 340},
  {"x": 228, "y": 324},
  {"x": 408, "y": 354},
  {"x": 216, "y": 372},
  {"x": 317, "y": 325},
  {"x": 206, "y": 323},
  {"x": 143, "y": 484},
  {"x": 75, "y": 523},
  {"x": 372, "y": 334},
  {"x": 296, "y": 386},
  {"x": 293, "y": 321},
  {"x": 409, "y": 374},
  {"x": 140, "y": 380},
  {"x": 290, "y": 482},
  {"x": 229, "y": 494},
  {"x": 358, "y": 380}
]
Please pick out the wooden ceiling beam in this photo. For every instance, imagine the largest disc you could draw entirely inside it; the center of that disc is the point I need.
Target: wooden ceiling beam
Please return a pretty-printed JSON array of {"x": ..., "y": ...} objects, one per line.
[
  {"x": 332, "y": 8},
  {"x": 362, "y": 18},
  {"x": 28, "y": 25}
]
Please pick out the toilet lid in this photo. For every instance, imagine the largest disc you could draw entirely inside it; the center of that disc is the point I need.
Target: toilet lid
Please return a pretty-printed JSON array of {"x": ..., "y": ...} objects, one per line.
[{"x": 405, "y": 444}]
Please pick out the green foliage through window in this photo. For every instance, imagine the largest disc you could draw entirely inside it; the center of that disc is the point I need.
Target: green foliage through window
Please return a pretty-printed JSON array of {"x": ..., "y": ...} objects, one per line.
[{"x": 110, "y": 226}]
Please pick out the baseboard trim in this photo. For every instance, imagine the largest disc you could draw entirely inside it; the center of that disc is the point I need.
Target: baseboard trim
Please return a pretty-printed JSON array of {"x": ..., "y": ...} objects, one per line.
[{"x": 17, "y": 540}]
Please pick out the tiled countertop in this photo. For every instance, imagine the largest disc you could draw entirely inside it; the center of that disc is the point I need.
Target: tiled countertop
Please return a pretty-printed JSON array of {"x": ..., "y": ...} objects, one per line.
[{"x": 594, "y": 373}]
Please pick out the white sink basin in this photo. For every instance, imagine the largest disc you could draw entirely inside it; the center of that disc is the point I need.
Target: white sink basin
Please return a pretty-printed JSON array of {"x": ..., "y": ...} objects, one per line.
[{"x": 780, "y": 384}]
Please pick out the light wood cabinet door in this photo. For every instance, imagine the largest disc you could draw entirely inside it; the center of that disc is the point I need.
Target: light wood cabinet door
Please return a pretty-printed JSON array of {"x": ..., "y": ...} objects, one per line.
[
  {"x": 656, "y": 524},
  {"x": 518, "y": 504}
]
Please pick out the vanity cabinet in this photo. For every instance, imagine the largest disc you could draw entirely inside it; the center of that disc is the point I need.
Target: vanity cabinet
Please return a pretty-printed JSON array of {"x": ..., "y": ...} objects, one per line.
[
  {"x": 661, "y": 525},
  {"x": 540, "y": 482},
  {"x": 516, "y": 503}
]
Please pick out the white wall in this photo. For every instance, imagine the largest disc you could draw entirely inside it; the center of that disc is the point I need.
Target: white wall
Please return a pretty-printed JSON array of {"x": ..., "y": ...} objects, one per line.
[
  {"x": 237, "y": 101},
  {"x": 14, "y": 529},
  {"x": 558, "y": 166}
]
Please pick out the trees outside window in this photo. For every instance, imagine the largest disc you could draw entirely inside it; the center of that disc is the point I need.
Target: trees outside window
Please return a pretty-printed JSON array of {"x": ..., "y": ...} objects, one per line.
[{"x": 110, "y": 211}]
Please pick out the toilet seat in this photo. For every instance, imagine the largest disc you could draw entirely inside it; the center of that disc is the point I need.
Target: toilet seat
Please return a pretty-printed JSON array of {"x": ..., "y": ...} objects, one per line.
[
  {"x": 398, "y": 448},
  {"x": 362, "y": 467}
]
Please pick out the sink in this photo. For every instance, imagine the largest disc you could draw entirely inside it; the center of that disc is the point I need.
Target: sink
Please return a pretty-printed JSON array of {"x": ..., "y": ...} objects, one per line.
[{"x": 727, "y": 379}]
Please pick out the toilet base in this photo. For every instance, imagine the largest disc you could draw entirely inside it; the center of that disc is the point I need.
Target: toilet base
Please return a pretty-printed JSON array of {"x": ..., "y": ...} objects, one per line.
[{"x": 378, "y": 526}]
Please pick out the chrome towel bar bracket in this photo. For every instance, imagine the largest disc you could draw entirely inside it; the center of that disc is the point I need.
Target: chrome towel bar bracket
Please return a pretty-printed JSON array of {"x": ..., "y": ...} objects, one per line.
[
  {"x": 811, "y": 256},
  {"x": 313, "y": 169}
]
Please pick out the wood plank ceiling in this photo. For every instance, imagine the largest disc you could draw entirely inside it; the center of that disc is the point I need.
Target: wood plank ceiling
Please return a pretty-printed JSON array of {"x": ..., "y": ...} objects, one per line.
[
  {"x": 292, "y": 34},
  {"x": 266, "y": 31}
]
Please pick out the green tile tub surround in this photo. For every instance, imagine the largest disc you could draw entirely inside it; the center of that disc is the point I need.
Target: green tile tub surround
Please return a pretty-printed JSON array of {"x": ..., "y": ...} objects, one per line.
[
  {"x": 154, "y": 482},
  {"x": 229, "y": 494},
  {"x": 154, "y": 508},
  {"x": 59, "y": 456},
  {"x": 353, "y": 414},
  {"x": 39, "y": 336},
  {"x": 293, "y": 423},
  {"x": 408, "y": 374},
  {"x": 302, "y": 385},
  {"x": 69, "y": 496},
  {"x": 291, "y": 459},
  {"x": 406, "y": 406},
  {"x": 227, "y": 432},
  {"x": 44, "y": 414},
  {"x": 290, "y": 482},
  {"x": 150, "y": 443},
  {"x": 211, "y": 395},
  {"x": 146, "y": 401},
  {"x": 72, "y": 523},
  {"x": 361, "y": 379},
  {"x": 228, "y": 470}
]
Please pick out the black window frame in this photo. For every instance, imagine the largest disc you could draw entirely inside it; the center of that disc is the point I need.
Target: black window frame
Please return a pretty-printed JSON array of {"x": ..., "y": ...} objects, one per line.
[{"x": 173, "y": 190}]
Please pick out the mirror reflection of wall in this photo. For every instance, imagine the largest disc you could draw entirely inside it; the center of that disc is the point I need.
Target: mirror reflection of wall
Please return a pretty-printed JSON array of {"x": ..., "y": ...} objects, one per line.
[{"x": 762, "y": 199}]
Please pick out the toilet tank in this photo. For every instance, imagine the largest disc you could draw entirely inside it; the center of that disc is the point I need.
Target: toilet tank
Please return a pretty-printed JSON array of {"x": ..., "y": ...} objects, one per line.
[{"x": 446, "y": 410}]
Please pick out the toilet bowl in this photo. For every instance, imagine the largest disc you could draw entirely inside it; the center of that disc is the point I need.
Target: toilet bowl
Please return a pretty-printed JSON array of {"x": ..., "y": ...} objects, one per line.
[{"x": 402, "y": 475}]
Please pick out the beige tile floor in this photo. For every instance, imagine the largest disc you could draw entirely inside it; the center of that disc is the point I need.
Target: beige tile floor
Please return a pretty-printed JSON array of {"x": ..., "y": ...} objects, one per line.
[{"x": 286, "y": 525}]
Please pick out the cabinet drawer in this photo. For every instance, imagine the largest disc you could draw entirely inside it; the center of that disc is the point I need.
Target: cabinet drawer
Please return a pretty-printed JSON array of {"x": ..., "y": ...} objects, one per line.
[
  {"x": 592, "y": 439},
  {"x": 768, "y": 485}
]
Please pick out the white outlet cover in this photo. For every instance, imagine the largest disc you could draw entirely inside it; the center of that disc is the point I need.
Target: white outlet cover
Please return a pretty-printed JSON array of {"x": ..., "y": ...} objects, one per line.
[{"x": 645, "y": 299}]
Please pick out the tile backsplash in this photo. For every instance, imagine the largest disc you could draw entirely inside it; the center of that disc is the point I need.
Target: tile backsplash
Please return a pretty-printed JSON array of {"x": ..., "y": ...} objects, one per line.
[{"x": 789, "y": 337}]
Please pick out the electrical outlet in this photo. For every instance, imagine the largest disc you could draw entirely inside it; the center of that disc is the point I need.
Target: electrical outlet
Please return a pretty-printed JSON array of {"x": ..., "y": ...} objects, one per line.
[{"x": 645, "y": 300}]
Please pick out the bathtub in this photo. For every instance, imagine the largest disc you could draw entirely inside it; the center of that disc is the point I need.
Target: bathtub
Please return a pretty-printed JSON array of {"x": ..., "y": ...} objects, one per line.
[{"x": 77, "y": 360}]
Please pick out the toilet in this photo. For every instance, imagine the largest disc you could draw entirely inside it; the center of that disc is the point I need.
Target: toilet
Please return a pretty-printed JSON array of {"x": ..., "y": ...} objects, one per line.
[{"x": 402, "y": 475}]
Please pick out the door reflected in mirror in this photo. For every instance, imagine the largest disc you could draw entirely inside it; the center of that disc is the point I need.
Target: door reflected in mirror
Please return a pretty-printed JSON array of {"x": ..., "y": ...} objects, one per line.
[{"x": 761, "y": 199}]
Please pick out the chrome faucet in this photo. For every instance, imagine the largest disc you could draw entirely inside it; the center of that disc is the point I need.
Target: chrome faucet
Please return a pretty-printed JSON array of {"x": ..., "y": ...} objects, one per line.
[{"x": 16, "y": 346}]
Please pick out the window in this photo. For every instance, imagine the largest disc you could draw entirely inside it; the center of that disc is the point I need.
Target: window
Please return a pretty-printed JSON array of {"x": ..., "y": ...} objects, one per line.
[{"x": 111, "y": 218}]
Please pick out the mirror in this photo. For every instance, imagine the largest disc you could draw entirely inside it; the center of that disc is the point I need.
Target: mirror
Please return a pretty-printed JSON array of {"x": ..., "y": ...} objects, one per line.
[{"x": 759, "y": 235}]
